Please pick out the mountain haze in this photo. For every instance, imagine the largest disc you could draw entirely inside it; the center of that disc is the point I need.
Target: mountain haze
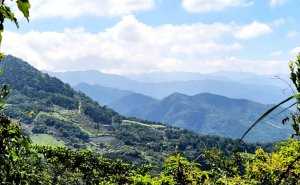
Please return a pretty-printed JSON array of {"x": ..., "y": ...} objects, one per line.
[
  {"x": 120, "y": 100},
  {"x": 233, "y": 76},
  {"x": 92, "y": 77},
  {"x": 101, "y": 94},
  {"x": 263, "y": 93}
]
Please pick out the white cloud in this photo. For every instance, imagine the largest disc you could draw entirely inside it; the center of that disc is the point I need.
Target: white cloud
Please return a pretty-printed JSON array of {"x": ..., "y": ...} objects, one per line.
[
  {"x": 276, "y": 53},
  {"x": 200, "y": 6},
  {"x": 198, "y": 50},
  {"x": 253, "y": 30},
  {"x": 292, "y": 34},
  {"x": 76, "y": 8},
  {"x": 274, "y": 3},
  {"x": 134, "y": 47},
  {"x": 294, "y": 52},
  {"x": 278, "y": 22}
]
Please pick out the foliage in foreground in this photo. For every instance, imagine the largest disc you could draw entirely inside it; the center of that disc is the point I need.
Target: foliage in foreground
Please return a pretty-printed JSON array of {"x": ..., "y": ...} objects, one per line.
[
  {"x": 7, "y": 14},
  {"x": 23, "y": 163}
]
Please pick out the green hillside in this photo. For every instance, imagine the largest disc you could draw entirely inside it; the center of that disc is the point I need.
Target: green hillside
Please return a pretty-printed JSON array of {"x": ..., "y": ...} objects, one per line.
[
  {"x": 214, "y": 115},
  {"x": 46, "y": 105}
]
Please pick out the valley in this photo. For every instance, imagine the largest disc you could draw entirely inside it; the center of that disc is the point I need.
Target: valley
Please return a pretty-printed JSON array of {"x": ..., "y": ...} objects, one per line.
[{"x": 205, "y": 113}]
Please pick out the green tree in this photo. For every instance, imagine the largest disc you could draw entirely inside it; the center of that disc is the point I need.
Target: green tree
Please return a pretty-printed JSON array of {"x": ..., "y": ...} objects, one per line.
[
  {"x": 15, "y": 153},
  {"x": 184, "y": 172},
  {"x": 18, "y": 163}
]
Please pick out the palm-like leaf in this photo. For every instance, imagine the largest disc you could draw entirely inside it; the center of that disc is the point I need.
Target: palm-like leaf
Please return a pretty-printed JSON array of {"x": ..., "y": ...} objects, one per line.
[
  {"x": 297, "y": 95},
  {"x": 285, "y": 109}
]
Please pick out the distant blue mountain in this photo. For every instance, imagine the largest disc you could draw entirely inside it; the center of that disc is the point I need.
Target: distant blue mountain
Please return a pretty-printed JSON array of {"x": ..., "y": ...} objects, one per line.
[
  {"x": 241, "y": 77},
  {"x": 132, "y": 102},
  {"x": 92, "y": 77},
  {"x": 103, "y": 95},
  {"x": 115, "y": 98},
  {"x": 255, "y": 89}
]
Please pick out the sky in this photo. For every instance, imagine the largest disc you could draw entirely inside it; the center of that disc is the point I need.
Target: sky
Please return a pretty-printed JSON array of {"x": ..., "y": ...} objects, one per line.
[{"x": 143, "y": 36}]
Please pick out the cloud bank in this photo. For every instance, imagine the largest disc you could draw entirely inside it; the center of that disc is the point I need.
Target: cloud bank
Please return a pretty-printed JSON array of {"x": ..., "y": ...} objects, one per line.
[
  {"x": 131, "y": 46},
  {"x": 76, "y": 8},
  {"x": 201, "y": 6},
  {"x": 274, "y": 3}
]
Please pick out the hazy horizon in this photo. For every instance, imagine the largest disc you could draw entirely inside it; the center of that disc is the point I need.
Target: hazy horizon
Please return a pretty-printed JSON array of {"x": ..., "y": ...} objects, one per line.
[{"x": 164, "y": 72}]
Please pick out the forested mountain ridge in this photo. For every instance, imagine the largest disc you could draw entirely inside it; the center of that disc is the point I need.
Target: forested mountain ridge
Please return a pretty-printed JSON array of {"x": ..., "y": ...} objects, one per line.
[
  {"x": 204, "y": 113},
  {"x": 48, "y": 108},
  {"x": 214, "y": 115}
]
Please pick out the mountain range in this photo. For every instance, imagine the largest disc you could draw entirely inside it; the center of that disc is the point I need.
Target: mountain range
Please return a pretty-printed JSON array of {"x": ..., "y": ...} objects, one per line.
[
  {"x": 53, "y": 113},
  {"x": 261, "y": 89},
  {"x": 213, "y": 115},
  {"x": 240, "y": 77},
  {"x": 204, "y": 113}
]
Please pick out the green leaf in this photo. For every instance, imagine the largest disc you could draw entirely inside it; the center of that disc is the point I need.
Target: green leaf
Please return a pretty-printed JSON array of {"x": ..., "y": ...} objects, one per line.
[
  {"x": 24, "y": 7},
  {"x": 297, "y": 95},
  {"x": 2, "y": 55},
  {"x": 285, "y": 109},
  {"x": 15, "y": 21},
  {"x": 7, "y": 14},
  {"x": 1, "y": 36}
]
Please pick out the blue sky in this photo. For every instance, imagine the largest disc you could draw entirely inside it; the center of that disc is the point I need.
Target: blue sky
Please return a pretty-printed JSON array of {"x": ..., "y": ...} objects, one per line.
[{"x": 142, "y": 36}]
